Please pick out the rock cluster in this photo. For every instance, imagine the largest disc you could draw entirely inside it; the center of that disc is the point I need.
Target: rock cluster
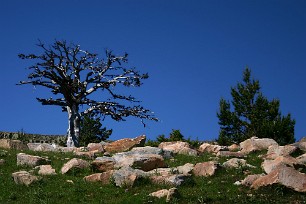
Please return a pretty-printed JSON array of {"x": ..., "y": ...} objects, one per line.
[{"x": 126, "y": 161}]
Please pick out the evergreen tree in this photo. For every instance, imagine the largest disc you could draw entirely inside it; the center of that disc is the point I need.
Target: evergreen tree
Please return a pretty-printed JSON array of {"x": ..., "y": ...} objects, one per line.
[
  {"x": 253, "y": 115},
  {"x": 92, "y": 131}
]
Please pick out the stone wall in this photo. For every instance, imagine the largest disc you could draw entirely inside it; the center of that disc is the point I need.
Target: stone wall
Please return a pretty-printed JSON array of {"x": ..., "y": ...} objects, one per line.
[{"x": 34, "y": 138}]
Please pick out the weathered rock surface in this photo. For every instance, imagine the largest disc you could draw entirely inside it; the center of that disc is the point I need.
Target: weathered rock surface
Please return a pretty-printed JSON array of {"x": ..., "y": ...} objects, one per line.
[
  {"x": 30, "y": 160},
  {"x": 275, "y": 150},
  {"x": 45, "y": 170},
  {"x": 173, "y": 180},
  {"x": 103, "y": 164},
  {"x": 145, "y": 162},
  {"x": 178, "y": 147},
  {"x": 95, "y": 147},
  {"x": 301, "y": 159},
  {"x": 270, "y": 165},
  {"x": 125, "y": 144},
  {"x": 74, "y": 163},
  {"x": 147, "y": 150},
  {"x": 24, "y": 177},
  {"x": 163, "y": 172},
  {"x": 127, "y": 176},
  {"x": 283, "y": 175},
  {"x": 186, "y": 169},
  {"x": 88, "y": 155},
  {"x": 233, "y": 148},
  {"x": 12, "y": 144},
  {"x": 230, "y": 154},
  {"x": 236, "y": 163},
  {"x": 205, "y": 169},
  {"x": 42, "y": 147},
  {"x": 169, "y": 194},
  {"x": 103, "y": 178},
  {"x": 211, "y": 148},
  {"x": 255, "y": 144},
  {"x": 249, "y": 180}
]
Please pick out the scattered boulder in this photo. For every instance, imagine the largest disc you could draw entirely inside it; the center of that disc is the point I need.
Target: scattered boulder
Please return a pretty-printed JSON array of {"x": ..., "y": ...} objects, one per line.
[
  {"x": 275, "y": 150},
  {"x": 74, "y": 163},
  {"x": 211, "y": 148},
  {"x": 169, "y": 194},
  {"x": 270, "y": 165},
  {"x": 30, "y": 160},
  {"x": 125, "y": 144},
  {"x": 95, "y": 147},
  {"x": 233, "y": 148},
  {"x": 42, "y": 147},
  {"x": 45, "y": 170},
  {"x": 205, "y": 169},
  {"x": 231, "y": 154},
  {"x": 88, "y": 155},
  {"x": 12, "y": 144},
  {"x": 103, "y": 164},
  {"x": 248, "y": 181},
  {"x": 255, "y": 144},
  {"x": 173, "y": 180},
  {"x": 283, "y": 175},
  {"x": 178, "y": 147},
  {"x": 163, "y": 172},
  {"x": 147, "y": 150},
  {"x": 185, "y": 169},
  {"x": 24, "y": 177},
  {"x": 145, "y": 162},
  {"x": 236, "y": 163},
  {"x": 126, "y": 176},
  {"x": 104, "y": 177}
]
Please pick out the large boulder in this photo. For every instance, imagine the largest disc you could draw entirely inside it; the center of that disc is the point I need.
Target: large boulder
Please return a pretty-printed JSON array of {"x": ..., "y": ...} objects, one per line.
[
  {"x": 103, "y": 164},
  {"x": 24, "y": 177},
  {"x": 30, "y": 160},
  {"x": 74, "y": 163},
  {"x": 145, "y": 162},
  {"x": 283, "y": 175},
  {"x": 45, "y": 170},
  {"x": 125, "y": 144},
  {"x": 275, "y": 150},
  {"x": 185, "y": 169},
  {"x": 211, "y": 148},
  {"x": 270, "y": 165},
  {"x": 236, "y": 163},
  {"x": 255, "y": 144},
  {"x": 13, "y": 144},
  {"x": 103, "y": 178},
  {"x": 127, "y": 176},
  {"x": 95, "y": 147},
  {"x": 178, "y": 147},
  {"x": 205, "y": 168},
  {"x": 42, "y": 147}
]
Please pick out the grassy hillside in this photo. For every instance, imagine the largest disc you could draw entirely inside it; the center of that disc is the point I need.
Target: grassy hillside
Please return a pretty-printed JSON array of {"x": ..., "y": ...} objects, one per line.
[{"x": 219, "y": 188}]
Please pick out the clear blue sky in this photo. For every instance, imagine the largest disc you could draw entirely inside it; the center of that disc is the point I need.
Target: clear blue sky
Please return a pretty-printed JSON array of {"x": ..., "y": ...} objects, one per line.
[{"x": 194, "y": 51}]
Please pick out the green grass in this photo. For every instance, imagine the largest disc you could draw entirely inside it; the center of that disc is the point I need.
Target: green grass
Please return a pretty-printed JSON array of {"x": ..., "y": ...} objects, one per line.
[{"x": 219, "y": 188}]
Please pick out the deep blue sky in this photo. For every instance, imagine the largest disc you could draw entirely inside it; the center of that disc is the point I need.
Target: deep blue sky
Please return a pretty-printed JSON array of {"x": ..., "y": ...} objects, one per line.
[{"x": 194, "y": 51}]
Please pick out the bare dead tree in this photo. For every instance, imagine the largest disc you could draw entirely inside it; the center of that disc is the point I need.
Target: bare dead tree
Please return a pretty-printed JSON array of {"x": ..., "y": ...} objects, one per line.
[{"x": 75, "y": 75}]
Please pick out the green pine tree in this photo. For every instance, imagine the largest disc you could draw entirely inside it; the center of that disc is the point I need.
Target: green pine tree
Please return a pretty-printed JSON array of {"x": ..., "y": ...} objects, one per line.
[
  {"x": 253, "y": 115},
  {"x": 92, "y": 131}
]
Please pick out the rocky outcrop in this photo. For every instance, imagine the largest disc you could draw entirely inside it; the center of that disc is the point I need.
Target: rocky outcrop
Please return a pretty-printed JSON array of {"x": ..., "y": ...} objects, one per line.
[
  {"x": 126, "y": 176},
  {"x": 74, "y": 163},
  {"x": 205, "y": 168},
  {"x": 211, "y": 148},
  {"x": 24, "y": 178},
  {"x": 30, "y": 160},
  {"x": 95, "y": 147},
  {"x": 255, "y": 144},
  {"x": 42, "y": 147},
  {"x": 125, "y": 144},
  {"x": 270, "y": 165},
  {"x": 283, "y": 175}
]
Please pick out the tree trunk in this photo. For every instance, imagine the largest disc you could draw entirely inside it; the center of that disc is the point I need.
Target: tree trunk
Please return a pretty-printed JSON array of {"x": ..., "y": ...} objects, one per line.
[{"x": 73, "y": 126}]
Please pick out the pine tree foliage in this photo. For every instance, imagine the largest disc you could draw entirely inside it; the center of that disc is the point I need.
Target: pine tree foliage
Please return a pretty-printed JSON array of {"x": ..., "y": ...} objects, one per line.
[
  {"x": 252, "y": 114},
  {"x": 92, "y": 131}
]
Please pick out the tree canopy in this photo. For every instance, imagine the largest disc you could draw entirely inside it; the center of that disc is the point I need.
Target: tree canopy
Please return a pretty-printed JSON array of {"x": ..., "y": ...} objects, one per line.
[
  {"x": 74, "y": 75},
  {"x": 252, "y": 115}
]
